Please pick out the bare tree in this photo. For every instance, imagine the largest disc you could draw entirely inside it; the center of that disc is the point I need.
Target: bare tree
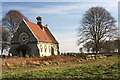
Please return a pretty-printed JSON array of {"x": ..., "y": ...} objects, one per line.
[
  {"x": 89, "y": 46},
  {"x": 109, "y": 47},
  {"x": 11, "y": 20},
  {"x": 4, "y": 43},
  {"x": 97, "y": 25},
  {"x": 117, "y": 44}
]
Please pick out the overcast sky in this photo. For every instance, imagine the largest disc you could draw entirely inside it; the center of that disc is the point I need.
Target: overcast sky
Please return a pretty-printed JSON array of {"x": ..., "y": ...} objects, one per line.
[{"x": 62, "y": 18}]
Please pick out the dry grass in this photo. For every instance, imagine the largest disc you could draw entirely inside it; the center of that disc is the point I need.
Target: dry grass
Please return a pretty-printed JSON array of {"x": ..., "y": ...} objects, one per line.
[
  {"x": 20, "y": 61},
  {"x": 89, "y": 69}
]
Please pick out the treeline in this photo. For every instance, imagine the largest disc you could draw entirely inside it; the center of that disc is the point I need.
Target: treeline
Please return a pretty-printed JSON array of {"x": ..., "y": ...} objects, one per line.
[
  {"x": 110, "y": 46},
  {"x": 85, "y": 54}
]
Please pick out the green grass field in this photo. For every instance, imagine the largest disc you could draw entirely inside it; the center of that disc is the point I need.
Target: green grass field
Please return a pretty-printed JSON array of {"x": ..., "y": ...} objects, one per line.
[{"x": 106, "y": 68}]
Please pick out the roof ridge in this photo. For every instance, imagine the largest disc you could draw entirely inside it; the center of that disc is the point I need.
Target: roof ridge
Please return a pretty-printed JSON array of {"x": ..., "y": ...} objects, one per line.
[{"x": 30, "y": 22}]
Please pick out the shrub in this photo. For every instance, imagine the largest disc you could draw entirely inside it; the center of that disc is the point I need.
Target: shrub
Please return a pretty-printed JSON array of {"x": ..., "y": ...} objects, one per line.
[
  {"x": 62, "y": 54},
  {"x": 83, "y": 54},
  {"x": 68, "y": 54},
  {"x": 65, "y": 54},
  {"x": 33, "y": 55},
  {"x": 79, "y": 55},
  {"x": 74, "y": 55},
  {"x": 26, "y": 56},
  {"x": 38, "y": 56}
]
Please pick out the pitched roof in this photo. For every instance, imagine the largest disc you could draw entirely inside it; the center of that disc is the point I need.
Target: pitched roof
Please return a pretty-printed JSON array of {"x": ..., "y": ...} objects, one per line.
[
  {"x": 40, "y": 35},
  {"x": 50, "y": 35}
]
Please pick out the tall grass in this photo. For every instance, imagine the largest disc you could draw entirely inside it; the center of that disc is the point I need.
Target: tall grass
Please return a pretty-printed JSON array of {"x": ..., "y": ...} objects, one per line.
[{"x": 99, "y": 69}]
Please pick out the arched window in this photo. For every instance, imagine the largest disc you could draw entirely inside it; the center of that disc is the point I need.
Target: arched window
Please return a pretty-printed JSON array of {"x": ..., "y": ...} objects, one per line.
[
  {"x": 41, "y": 48},
  {"x": 45, "y": 48},
  {"x": 49, "y": 49}
]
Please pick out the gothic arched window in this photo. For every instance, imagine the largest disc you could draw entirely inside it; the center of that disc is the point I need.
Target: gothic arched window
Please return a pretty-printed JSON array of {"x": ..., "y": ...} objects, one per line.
[
  {"x": 41, "y": 48},
  {"x": 45, "y": 48},
  {"x": 49, "y": 49}
]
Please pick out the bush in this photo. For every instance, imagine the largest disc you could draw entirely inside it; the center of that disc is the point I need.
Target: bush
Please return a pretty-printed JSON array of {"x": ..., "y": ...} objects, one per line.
[
  {"x": 65, "y": 54},
  {"x": 77, "y": 54},
  {"x": 26, "y": 56},
  {"x": 62, "y": 54},
  {"x": 46, "y": 58},
  {"x": 83, "y": 54},
  {"x": 68, "y": 54},
  {"x": 38, "y": 56},
  {"x": 74, "y": 55},
  {"x": 33, "y": 55}
]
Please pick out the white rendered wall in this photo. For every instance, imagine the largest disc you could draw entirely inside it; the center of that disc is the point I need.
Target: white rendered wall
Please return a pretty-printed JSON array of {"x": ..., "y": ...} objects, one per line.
[{"x": 48, "y": 48}]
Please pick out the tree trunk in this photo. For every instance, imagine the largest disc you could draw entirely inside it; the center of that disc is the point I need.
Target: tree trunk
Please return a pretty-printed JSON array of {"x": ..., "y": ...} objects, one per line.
[
  {"x": 96, "y": 49},
  {"x": 96, "y": 54}
]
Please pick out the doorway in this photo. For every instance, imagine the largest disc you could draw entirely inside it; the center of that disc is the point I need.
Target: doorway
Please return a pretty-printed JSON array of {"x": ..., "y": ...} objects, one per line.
[
  {"x": 23, "y": 50},
  {"x": 52, "y": 51}
]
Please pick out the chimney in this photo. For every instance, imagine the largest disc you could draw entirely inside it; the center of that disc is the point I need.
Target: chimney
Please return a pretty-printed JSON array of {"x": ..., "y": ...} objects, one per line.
[{"x": 39, "y": 21}]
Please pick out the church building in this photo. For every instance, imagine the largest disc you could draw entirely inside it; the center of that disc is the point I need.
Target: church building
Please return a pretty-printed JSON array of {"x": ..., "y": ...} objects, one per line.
[{"x": 33, "y": 39}]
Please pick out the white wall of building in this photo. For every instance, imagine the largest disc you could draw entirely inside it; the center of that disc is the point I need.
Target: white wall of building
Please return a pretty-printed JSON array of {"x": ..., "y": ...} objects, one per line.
[
  {"x": 45, "y": 48},
  {"x": 5, "y": 52}
]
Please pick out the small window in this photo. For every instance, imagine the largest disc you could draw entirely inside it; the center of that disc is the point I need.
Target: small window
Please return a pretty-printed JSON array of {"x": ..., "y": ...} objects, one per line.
[
  {"x": 41, "y": 49},
  {"x": 45, "y": 49},
  {"x": 38, "y": 37},
  {"x": 49, "y": 49},
  {"x": 45, "y": 38}
]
